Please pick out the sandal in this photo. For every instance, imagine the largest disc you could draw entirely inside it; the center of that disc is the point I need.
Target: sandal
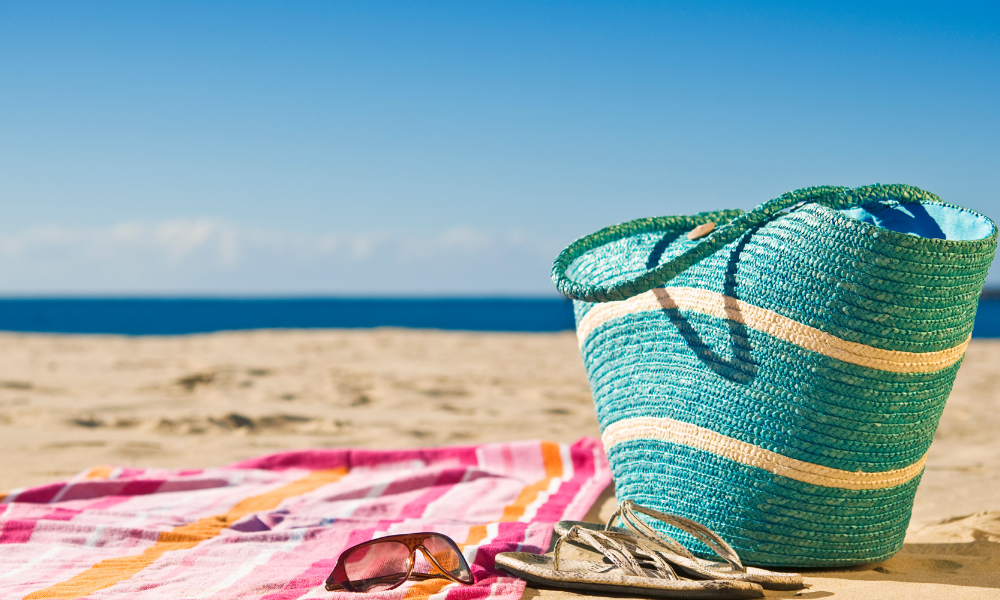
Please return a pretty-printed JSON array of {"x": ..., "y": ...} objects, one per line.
[
  {"x": 633, "y": 568},
  {"x": 676, "y": 554}
]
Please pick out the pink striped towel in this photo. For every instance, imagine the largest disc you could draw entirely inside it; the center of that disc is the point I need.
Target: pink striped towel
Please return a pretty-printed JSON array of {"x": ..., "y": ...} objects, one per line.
[{"x": 273, "y": 527}]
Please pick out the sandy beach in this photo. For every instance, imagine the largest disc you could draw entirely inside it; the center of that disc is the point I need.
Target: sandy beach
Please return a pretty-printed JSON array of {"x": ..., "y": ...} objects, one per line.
[{"x": 72, "y": 402}]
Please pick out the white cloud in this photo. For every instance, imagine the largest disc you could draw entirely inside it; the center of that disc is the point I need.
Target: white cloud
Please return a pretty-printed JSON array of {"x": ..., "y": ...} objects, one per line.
[{"x": 215, "y": 256}]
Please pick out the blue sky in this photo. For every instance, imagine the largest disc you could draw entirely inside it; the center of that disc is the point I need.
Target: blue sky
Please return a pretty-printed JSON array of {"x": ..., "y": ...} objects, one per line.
[{"x": 453, "y": 148}]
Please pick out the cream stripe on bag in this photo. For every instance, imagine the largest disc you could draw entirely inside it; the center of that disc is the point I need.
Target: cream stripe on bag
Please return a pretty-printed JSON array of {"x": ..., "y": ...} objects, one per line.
[
  {"x": 686, "y": 434},
  {"x": 771, "y": 323}
]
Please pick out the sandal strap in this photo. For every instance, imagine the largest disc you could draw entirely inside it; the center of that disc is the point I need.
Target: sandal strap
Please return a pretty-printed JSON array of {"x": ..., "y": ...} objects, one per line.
[
  {"x": 620, "y": 558},
  {"x": 628, "y": 511},
  {"x": 649, "y": 552},
  {"x": 635, "y": 525},
  {"x": 620, "y": 549}
]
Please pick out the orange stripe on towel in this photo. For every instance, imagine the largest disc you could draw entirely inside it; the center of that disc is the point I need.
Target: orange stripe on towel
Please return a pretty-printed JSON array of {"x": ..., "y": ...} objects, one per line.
[
  {"x": 477, "y": 533},
  {"x": 552, "y": 460},
  {"x": 115, "y": 570},
  {"x": 99, "y": 472},
  {"x": 425, "y": 589}
]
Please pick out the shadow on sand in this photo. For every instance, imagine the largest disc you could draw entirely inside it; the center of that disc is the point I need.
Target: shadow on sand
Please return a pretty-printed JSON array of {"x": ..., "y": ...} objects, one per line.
[
  {"x": 957, "y": 558},
  {"x": 917, "y": 571}
]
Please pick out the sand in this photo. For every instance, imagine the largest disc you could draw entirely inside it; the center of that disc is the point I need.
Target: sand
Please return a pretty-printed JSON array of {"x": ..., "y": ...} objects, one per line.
[{"x": 71, "y": 402}]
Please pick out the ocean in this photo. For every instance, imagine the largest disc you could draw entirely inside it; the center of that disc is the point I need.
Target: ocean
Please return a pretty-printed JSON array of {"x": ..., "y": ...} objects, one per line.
[{"x": 174, "y": 316}]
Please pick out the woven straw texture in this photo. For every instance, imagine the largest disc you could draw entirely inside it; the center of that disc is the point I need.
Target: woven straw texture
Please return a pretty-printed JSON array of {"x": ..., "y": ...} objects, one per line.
[{"x": 781, "y": 379}]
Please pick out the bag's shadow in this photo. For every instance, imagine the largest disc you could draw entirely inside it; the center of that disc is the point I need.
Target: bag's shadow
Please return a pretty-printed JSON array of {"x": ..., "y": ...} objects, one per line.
[
  {"x": 955, "y": 565},
  {"x": 943, "y": 560},
  {"x": 740, "y": 366}
]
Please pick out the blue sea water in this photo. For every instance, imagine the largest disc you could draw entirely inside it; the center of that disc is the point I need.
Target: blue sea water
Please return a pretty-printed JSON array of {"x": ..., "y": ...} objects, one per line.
[
  {"x": 987, "y": 319},
  {"x": 172, "y": 316}
]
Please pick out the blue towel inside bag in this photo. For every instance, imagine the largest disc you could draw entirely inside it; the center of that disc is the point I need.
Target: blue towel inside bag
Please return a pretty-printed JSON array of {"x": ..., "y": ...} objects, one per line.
[{"x": 924, "y": 220}]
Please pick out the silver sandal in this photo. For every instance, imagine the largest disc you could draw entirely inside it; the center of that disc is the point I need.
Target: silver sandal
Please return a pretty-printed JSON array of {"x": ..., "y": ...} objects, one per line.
[
  {"x": 633, "y": 567},
  {"x": 676, "y": 554}
]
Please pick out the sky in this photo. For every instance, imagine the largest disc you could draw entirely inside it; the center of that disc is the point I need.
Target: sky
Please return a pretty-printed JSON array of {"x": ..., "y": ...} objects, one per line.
[{"x": 453, "y": 148}]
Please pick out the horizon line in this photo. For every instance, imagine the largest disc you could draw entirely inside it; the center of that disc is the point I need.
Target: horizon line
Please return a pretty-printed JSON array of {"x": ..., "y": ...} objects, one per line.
[{"x": 988, "y": 293}]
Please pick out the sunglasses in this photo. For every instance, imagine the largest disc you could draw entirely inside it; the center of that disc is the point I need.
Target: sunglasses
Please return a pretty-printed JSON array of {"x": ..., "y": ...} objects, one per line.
[{"x": 385, "y": 563}]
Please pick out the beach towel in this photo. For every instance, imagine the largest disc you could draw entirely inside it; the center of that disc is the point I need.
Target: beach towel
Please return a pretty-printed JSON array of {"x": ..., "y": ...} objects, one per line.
[{"x": 273, "y": 527}]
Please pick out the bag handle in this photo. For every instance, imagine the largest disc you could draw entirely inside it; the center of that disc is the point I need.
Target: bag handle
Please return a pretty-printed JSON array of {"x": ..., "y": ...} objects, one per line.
[{"x": 735, "y": 224}]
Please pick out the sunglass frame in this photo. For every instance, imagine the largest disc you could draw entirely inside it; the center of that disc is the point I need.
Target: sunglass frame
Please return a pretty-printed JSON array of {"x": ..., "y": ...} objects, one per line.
[{"x": 413, "y": 541}]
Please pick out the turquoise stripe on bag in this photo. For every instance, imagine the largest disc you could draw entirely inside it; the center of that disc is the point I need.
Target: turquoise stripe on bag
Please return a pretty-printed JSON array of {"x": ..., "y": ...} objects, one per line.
[
  {"x": 789, "y": 523},
  {"x": 836, "y": 426}
]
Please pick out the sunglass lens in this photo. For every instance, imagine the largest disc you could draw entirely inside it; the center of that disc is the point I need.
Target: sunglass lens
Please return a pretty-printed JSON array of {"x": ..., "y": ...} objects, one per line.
[
  {"x": 446, "y": 555},
  {"x": 377, "y": 566}
]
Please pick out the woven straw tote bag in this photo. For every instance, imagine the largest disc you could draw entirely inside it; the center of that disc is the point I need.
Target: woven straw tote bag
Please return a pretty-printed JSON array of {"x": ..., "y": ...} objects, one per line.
[{"x": 780, "y": 379}]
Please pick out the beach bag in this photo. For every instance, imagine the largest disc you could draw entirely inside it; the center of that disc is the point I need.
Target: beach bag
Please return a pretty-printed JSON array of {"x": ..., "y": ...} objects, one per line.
[{"x": 779, "y": 378}]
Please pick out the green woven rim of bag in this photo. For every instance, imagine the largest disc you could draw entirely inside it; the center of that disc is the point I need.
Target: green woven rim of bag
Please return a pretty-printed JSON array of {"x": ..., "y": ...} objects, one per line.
[{"x": 780, "y": 379}]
